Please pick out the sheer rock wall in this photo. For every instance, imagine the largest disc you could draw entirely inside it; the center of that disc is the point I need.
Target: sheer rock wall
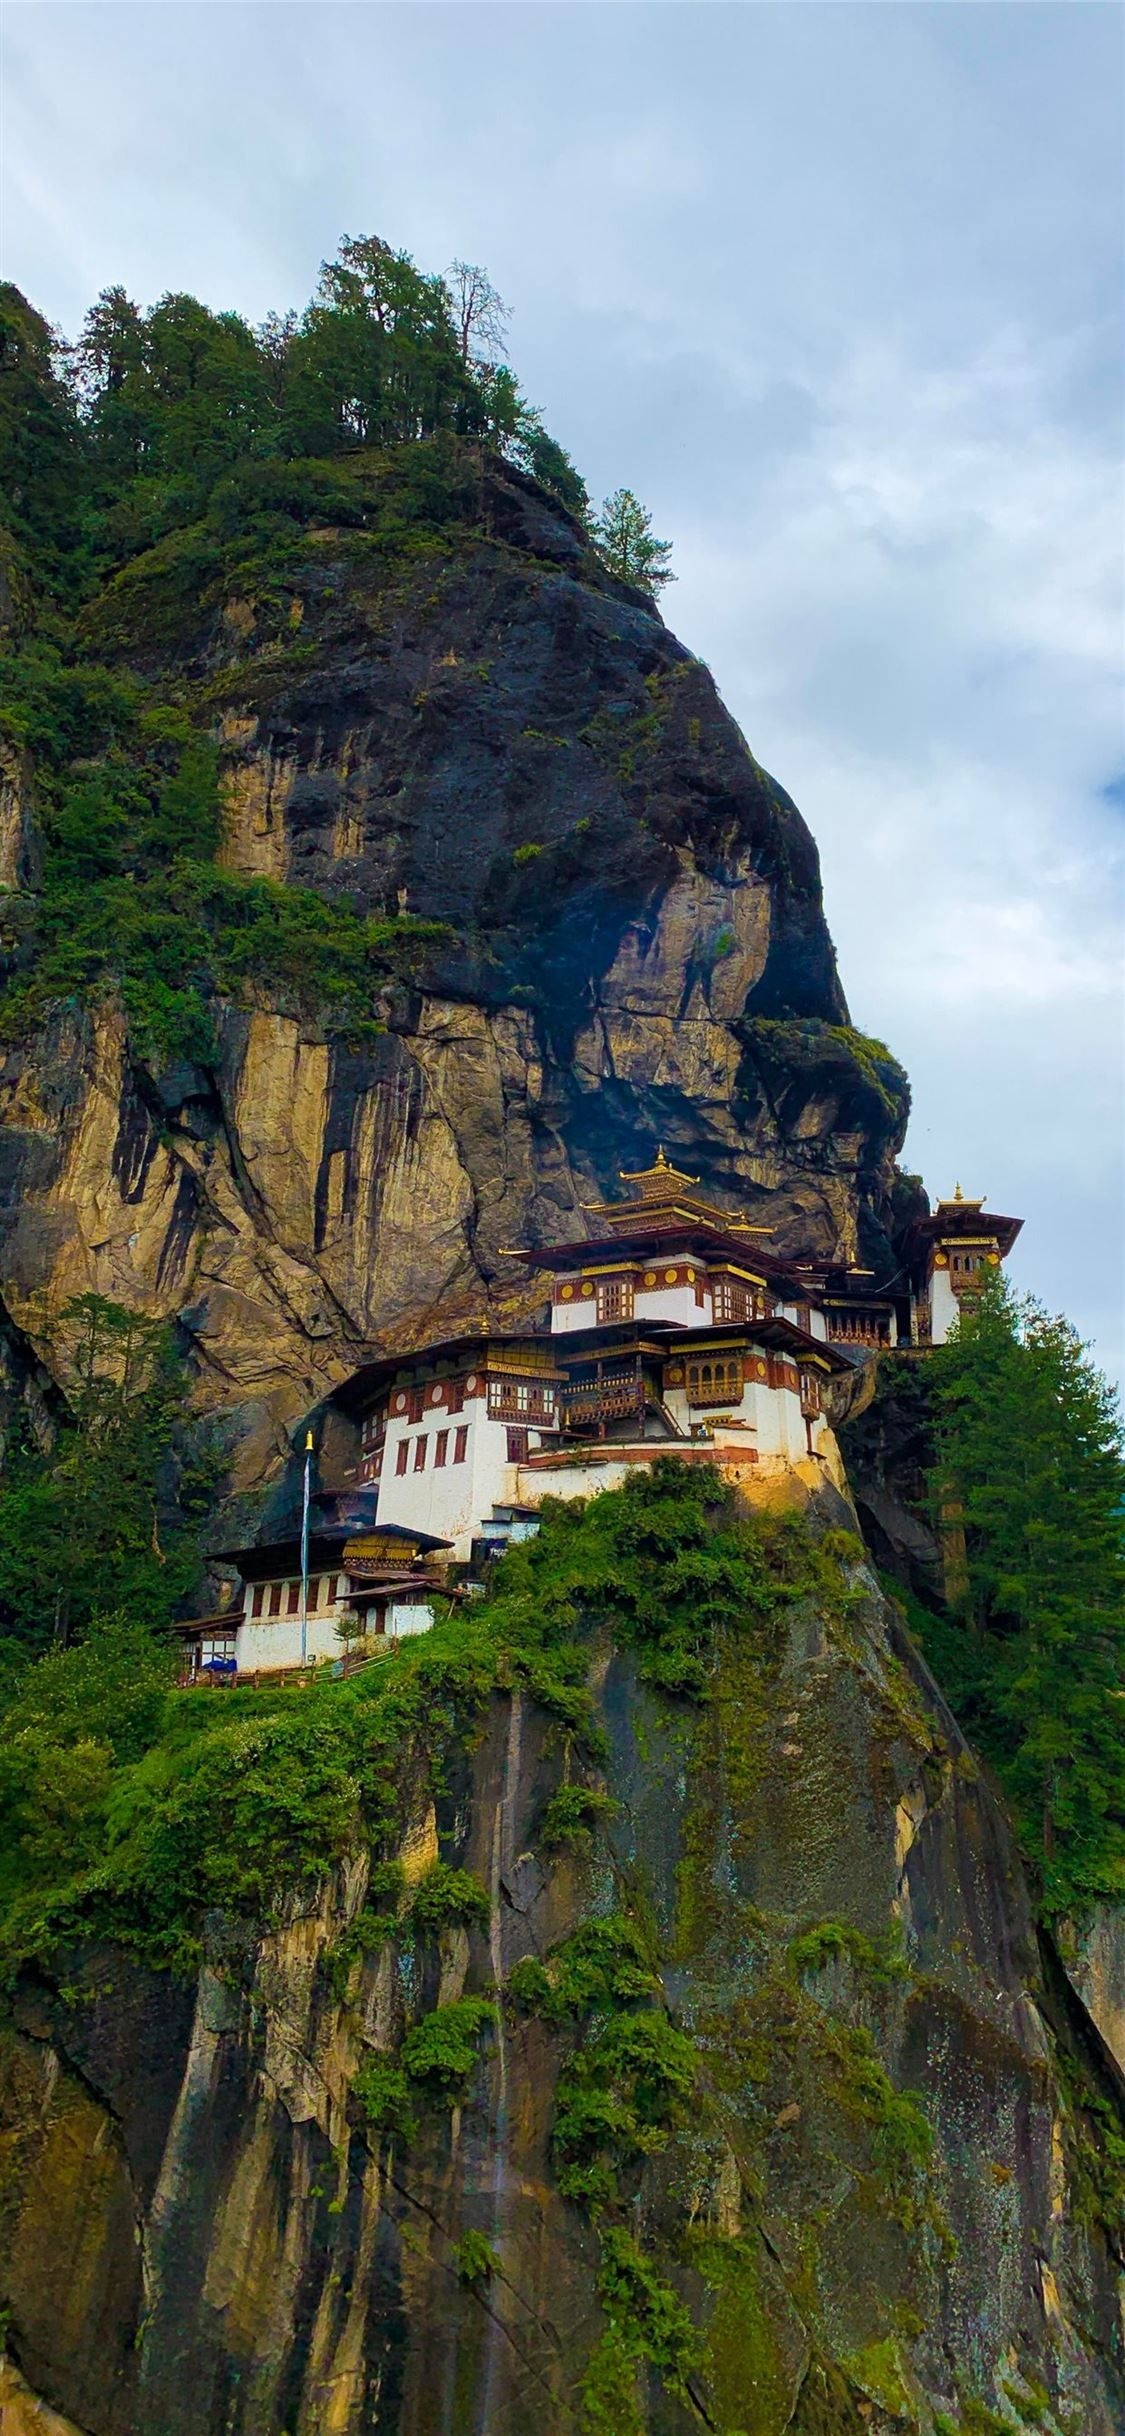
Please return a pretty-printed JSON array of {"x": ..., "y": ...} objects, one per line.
[
  {"x": 505, "y": 740},
  {"x": 202, "y": 2238}
]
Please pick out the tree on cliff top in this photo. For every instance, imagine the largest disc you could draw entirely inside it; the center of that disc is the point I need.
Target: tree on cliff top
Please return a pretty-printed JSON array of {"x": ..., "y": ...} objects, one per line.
[
  {"x": 480, "y": 315},
  {"x": 626, "y": 541},
  {"x": 1030, "y": 1461}
]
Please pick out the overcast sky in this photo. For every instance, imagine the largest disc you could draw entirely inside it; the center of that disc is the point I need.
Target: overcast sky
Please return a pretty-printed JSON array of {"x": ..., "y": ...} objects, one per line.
[{"x": 838, "y": 290}]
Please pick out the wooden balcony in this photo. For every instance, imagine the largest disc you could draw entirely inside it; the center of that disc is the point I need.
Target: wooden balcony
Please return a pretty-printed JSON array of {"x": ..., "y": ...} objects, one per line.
[{"x": 508, "y": 1401}]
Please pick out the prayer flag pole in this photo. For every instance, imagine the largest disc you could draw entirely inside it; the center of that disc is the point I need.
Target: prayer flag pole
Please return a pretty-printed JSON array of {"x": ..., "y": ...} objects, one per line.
[{"x": 305, "y": 1550}]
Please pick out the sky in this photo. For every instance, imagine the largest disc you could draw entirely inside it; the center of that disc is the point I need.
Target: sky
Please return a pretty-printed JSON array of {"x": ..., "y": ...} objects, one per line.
[{"x": 837, "y": 289}]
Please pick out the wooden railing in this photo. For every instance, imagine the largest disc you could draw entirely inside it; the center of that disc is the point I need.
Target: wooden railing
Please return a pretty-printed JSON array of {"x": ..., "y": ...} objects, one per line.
[
  {"x": 855, "y": 1329},
  {"x": 603, "y": 1400}
]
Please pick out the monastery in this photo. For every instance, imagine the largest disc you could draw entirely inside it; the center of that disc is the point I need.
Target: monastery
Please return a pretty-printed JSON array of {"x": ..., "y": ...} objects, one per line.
[{"x": 673, "y": 1330}]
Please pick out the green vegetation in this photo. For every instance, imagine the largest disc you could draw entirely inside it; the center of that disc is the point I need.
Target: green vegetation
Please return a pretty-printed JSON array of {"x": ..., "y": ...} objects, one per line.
[
  {"x": 440, "y": 2053},
  {"x": 474, "y": 2260},
  {"x": 234, "y": 1803},
  {"x": 447, "y": 1898},
  {"x": 645, "y": 2322},
  {"x": 158, "y": 1819},
  {"x": 829, "y": 1940},
  {"x": 1028, "y": 1493},
  {"x": 627, "y": 2088},
  {"x": 382, "y": 2093},
  {"x": 605, "y": 1964},
  {"x": 572, "y": 1817},
  {"x": 107, "y": 1521},
  {"x": 792, "y": 1047}
]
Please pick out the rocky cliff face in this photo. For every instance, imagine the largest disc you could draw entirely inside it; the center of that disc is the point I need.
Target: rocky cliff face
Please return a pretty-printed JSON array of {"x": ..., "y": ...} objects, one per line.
[
  {"x": 204, "y": 2234},
  {"x": 503, "y": 739},
  {"x": 203, "y": 2231}
]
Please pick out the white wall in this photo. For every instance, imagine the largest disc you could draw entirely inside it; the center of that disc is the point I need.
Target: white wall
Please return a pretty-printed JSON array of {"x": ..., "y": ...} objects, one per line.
[
  {"x": 943, "y": 1306},
  {"x": 674, "y": 1303},
  {"x": 408, "y": 1616},
  {"x": 448, "y": 1503},
  {"x": 566, "y": 1317}
]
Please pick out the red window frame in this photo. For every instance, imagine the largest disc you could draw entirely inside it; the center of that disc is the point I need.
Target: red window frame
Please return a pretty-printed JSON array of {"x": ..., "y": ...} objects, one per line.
[
  {"x": 441, "y": 1444},
  {"x": 420, "y": 1453},
  {"x": 402, "y": 1458},
  {"x": 461, "y": 1445}
]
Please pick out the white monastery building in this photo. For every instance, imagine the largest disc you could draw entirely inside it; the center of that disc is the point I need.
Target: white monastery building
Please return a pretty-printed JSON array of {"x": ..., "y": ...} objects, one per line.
[{"x": 673, "y": 1330}]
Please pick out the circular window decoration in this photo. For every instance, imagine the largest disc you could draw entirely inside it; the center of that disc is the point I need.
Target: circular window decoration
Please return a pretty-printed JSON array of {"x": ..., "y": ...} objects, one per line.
[
  {"x": 568, "y": 1294},
  {"x": 670, "y": 1276},
  {"x": 587, "y": 1288},
  {"x": 400, "y": 1404},
  {"x": 650, "y": 1277},
  {"x": 471, "y": 1384},
  {"x": 436, "y": 1395},
  {"x": 675, "y": 1376}
]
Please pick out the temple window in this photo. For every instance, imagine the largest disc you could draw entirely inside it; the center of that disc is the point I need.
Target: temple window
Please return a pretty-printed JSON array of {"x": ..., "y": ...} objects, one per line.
[
  {"x": 414, "y": 1403},
  {"x": 215, "y": 1646},
  {"x": 293, "y": 1599},
  {"x": 420, "y": 1454},
  {"x": 521, "y": 1399},
  {"x": 455, "y": 1396},
  {"x": 615, "y": 1300},
  {"x": 460, "y": 1446},
  {"x": 441, "y": 1443},
  {"x": 276, "y": 1589},
  {"x": 403, "y": 1456},
  {"x": 258, "y": 1599},
  {"x": 517, "y": 1445},
  {"x": 729, "y": 1299}
]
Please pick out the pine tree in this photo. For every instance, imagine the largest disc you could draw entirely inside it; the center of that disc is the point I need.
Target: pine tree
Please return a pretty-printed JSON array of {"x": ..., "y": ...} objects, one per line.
[
  {"x": 1030, "y": 1462},
  {"x": 625, "y": 539}
]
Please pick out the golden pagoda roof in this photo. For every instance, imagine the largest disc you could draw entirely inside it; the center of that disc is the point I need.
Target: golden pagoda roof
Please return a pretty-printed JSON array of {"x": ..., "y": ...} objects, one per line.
[
  {"x": 656, "y": 1180},
  {"x": 961, "y": 1217},
  {"x": 667, "y": 1191}
]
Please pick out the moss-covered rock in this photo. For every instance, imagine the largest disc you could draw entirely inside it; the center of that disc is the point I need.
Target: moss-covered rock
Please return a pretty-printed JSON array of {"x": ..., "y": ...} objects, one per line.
[{"x": 755, "y": 2113}]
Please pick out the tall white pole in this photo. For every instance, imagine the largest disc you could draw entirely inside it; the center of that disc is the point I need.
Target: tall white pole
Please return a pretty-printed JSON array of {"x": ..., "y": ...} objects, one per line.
[{"x": 305, "y": 1550}]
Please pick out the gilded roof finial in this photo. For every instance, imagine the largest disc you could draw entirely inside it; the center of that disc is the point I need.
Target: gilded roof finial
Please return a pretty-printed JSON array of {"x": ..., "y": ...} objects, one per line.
[{"x": 958, "y": 1195}]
